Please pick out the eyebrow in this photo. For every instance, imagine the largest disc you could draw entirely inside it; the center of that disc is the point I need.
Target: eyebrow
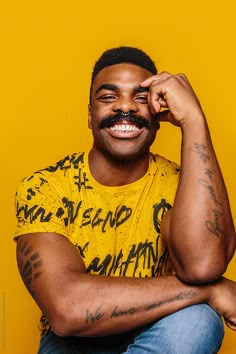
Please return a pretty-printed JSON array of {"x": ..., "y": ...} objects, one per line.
[
  {"x": 112, "y": 87},
  {"x": 109, "y": 87},
  {"x": 140, "y": 89}
]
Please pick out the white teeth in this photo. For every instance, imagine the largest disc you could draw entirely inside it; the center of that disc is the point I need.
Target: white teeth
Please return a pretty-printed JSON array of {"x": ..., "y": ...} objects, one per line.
[{"x": 124, "y": 128}]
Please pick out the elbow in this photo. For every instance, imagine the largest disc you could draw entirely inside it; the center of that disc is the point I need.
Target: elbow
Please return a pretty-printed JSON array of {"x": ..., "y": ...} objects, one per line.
[
  {"x": 204, "y": 265},
  {"x": 61, "y": 324},
  {"x": 61, "y": 328},
  {"x": 65, "y": 326},
  {"x": 68, "y": 327},
  {"x": 69, "y": 320},
  {"x": 63, "y": 320},
  {"x": 201, "y": 273}
]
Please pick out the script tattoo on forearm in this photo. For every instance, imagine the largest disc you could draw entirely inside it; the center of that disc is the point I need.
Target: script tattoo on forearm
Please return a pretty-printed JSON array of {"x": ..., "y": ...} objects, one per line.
[
  {"x": 201, "y": 151},
  {"x": 215, "y": 226},
  {"x": 96, "y": 316},
  {"x": 209, "y": 173},
  {"x": 117, "y": 313},
  {"x": 185, "y": 295},
  {"x": 205, "y": 184},
  {"x": 29, "y": 264}
]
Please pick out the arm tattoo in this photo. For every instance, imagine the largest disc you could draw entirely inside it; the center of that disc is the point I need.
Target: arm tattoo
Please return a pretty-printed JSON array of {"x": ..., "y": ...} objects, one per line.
[
  {"x": 29, "y": 264},
  {"x": 210, "y": 189},
  {"x": 98, "y": 314},
  {"x": 118, "y": 313},
  {"x": 186, "y": 295},
  {"x": 201, "y": 151},
  {"x": 215, "y": 226},
  {"x": 94, "y": 316},
  {"x": 209, "y": 173}
]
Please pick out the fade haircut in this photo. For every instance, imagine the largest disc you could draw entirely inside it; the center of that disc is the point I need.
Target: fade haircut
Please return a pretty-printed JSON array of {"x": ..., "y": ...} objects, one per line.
[{"x": 120, "y": 55}]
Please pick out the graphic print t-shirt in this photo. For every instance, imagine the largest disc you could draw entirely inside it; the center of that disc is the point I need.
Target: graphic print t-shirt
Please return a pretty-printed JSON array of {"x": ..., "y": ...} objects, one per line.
[{"x": 115, "y": 229}]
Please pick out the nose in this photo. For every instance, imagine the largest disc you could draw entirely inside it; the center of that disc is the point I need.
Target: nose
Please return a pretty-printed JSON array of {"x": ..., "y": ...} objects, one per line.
[{"x": 125, "y": 104}]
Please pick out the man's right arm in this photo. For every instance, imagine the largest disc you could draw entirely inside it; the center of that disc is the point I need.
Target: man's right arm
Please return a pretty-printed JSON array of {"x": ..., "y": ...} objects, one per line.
[{"x": 81, "y": 304}]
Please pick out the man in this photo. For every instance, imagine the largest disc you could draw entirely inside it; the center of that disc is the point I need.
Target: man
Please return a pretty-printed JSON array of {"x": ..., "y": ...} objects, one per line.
[{"x": 122, "y": 253}]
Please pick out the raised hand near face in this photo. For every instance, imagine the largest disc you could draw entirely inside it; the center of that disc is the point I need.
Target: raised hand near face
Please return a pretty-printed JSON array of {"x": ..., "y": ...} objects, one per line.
[{"x": 175, "y": 93}]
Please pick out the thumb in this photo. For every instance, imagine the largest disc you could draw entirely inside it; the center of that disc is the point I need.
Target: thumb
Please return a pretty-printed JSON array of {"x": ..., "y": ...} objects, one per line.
[{"x": 167, "y": 116}]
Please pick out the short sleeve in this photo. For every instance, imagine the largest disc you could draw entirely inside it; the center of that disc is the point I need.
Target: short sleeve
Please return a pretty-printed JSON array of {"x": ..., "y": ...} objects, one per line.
[
  {"x": 39, "y": 207},
  {"x": 169, "y": 174}
]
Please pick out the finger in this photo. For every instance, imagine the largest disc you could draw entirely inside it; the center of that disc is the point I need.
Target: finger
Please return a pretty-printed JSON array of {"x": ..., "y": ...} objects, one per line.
[
  {"x": 163, "y": 103},
  {"x": 156, "y": 99},
  {"x": 149, "y": 81},
  {"x": 154, "y": 106},
  {"x": 160, "y": 77},
  {"x": 157, "y": 104},
  {"x": 230, "y": 324},
  {"x": 165, "y": 116}
]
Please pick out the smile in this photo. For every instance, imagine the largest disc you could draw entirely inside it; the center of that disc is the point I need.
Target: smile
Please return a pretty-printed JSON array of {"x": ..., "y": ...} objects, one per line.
[{"x": 124, "y": 128}]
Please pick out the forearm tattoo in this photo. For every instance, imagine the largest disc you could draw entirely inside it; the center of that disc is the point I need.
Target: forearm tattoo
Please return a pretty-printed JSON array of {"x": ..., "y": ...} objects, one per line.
[
  {"x": 117, "y": 313},
  {"x": 214, "y": 225},
  {"x": 96, "y": 316},
  {"x": 201, "y": 151},
  {"x": 211, "y": 190},
  {"x": 186, "y": 295},
  {"x": 29, "y": 264}
]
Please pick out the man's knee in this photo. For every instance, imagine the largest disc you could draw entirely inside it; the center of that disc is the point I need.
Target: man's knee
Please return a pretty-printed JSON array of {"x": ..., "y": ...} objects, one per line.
[
  {"x": 198, "y": 329},
  {"x": 193, "y": 330}
]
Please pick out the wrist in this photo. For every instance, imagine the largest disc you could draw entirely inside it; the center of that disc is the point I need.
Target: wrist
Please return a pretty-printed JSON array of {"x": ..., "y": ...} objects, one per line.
[
  {"x": 194, "y": 122},
  {"x": 214, "y": 292}
]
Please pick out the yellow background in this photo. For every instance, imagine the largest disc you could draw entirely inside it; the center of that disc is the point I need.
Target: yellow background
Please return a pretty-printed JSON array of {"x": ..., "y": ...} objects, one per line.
[{"x": 48, "y": 49}]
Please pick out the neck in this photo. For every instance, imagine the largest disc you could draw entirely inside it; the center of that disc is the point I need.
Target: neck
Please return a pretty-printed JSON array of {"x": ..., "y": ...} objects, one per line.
[{"x": 113, "y": 172}]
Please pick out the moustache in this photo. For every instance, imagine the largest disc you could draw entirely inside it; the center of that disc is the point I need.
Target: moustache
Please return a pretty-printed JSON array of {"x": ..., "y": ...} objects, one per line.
[{"x": 139, "y": 121}]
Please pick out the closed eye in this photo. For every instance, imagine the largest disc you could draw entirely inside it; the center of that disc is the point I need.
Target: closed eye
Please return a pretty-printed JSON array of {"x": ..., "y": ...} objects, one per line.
[
  {"x": 141, "y": 99},
  {"x": 107, "y": 98}
]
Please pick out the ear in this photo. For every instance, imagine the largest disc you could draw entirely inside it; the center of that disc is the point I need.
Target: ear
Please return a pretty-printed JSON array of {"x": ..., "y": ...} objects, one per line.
[{"x": 89, "y": 117}]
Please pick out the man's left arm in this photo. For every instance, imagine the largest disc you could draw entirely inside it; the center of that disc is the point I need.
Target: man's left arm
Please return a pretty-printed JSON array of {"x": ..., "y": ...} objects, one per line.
[{"x": 199, "y": 230}]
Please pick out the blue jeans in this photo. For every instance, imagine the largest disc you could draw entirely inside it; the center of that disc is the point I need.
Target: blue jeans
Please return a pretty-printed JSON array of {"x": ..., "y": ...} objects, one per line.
[{"x": 196, "y": 329}]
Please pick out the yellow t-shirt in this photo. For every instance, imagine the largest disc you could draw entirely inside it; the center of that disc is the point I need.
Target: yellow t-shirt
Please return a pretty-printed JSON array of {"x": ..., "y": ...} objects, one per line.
[{"x": 115, "y": 229}]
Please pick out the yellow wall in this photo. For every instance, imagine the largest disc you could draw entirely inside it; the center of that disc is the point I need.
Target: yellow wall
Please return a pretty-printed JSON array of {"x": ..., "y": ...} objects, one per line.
[{"x": 48, "y": 49}]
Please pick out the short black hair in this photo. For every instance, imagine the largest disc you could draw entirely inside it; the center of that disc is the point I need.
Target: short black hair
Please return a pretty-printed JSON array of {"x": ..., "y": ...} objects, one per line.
[
  {"x": 120, "y": 55},
  {"x": 124, "y": 54}
]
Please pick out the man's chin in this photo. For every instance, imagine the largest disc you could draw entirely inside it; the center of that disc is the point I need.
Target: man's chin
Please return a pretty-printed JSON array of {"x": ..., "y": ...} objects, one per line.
[{"x": 127, "y": 156}]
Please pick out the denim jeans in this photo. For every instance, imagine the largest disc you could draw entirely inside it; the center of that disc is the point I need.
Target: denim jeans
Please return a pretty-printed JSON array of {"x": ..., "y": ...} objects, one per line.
[{"x": 196, "y": 329}]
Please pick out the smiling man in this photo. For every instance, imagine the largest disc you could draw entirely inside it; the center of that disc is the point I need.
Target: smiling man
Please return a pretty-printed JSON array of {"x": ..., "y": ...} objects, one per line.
[
  {"x": 119, "y": 115},
  {"x": 122, "y": 252}
]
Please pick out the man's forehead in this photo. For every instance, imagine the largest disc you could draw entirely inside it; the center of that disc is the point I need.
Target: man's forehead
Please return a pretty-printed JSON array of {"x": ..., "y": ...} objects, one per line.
[{"x": 123, "y": 72}]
